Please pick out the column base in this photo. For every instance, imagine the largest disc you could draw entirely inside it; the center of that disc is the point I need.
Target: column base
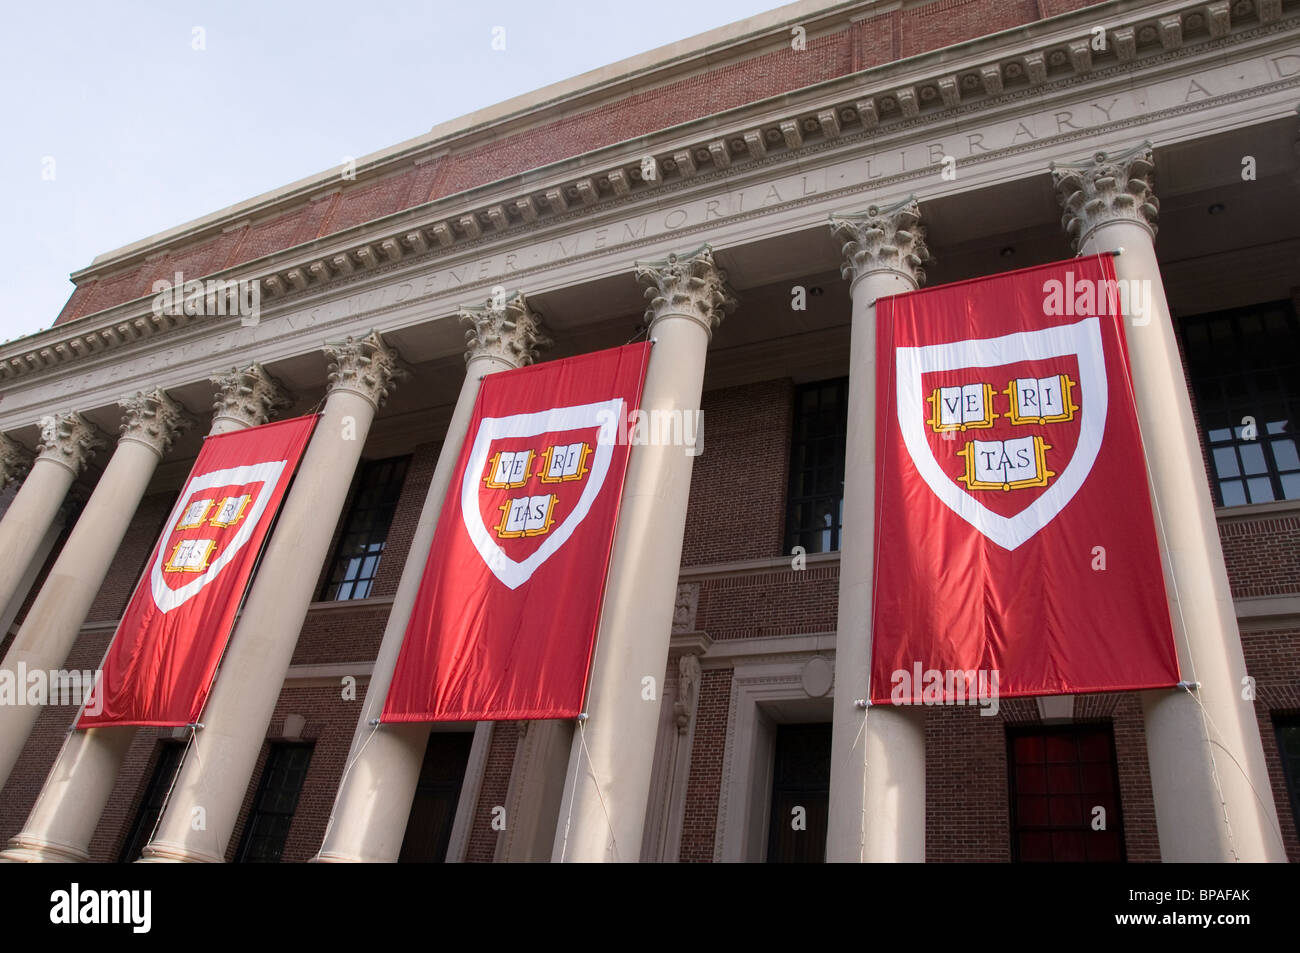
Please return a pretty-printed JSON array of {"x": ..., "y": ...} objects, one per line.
[
  {"x": 333, "y": 857},
  {"x": 25, "y": 849},
  {"x": 161, "y": 852}
]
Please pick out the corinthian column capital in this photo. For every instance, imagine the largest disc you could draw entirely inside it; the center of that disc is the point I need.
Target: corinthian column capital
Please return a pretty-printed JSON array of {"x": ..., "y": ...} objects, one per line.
[
  {"x": 69, "y": 440},
  {"x": 689, "y": 285},
  {"x": 511, "y": 331},
  {"x": 15, "y": 460},
  {"x": 366, "y": 366},
  {"x": 249, "y": 395},
  {"x": 153, "y": 419},
  {"x": 1105, "y": 188},
  {"x": 884, "y": 238}
]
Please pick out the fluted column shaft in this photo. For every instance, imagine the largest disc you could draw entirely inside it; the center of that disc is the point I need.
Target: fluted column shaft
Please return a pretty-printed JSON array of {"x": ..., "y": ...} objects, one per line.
[
  {"x": 50, "y": 629},
  {"x": 373, "y": 803},
  {"x": 877, "y": 789},
  {"x": 65, "y": 816},
  {"x": 602, "y": 813},
  {"x": 200, "y": 816},
  {"x": 1203, "y": 766},
  {"x": 66, "y": 443}
]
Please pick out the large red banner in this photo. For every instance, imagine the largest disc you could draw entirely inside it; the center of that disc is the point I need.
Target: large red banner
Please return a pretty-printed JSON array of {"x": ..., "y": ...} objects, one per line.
[
  {"x": 1015, "y": 549},
  {"x": 505, "y": 620},
  {"x": 160, "y": 666}
]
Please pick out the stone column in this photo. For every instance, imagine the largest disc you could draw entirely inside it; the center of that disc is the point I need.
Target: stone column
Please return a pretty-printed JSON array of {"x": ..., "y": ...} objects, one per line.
[
  {"x": 150, "y": 424},
  {"x": 374, "y": 798},
  {"x": 877, "y": 793},
  {"x": 607, "y": 784},
  {"x": 204, "y": 804},
  {"x": 1202, "y": 772},
  {"x": 67, "y": 442},
  {"x": 64, "y": 818}
]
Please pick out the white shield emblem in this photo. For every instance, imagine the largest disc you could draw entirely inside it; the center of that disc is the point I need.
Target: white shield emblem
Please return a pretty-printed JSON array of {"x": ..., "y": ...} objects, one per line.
[
  {"x": 1083, "y": 341},
  {"x": 226, "y": 546},
  {"x": 591, "y": 469}
]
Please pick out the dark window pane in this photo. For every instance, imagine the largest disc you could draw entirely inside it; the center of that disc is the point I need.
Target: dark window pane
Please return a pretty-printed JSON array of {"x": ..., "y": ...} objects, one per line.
[
  {"x": 816, "y": 487},
  {"x": 1059, "y": 777},
  {"x": 273, "y": 805},
  {"x": 801, "y": 778},
  {"x": 365, "y": 530},
  {"x": 1245, "y": 363},
  {"x": 155, "y": 797}
]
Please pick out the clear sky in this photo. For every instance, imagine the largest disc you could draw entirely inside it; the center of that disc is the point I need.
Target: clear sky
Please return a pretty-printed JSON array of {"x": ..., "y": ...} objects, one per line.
[{"x": 117, "y": 127}]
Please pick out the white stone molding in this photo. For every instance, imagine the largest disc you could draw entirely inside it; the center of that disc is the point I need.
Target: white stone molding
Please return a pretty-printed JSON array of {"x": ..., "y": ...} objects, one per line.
[
  {"x": 511, "y": 332},
  {"x": 670, "y": 774},
  {"x": 689, "y": 285},
  {"x": 153, "y": 419},
  {"x": 69, "y": 439},
  {"x": 249, "y": 395},
  {"x": 759, "y": 688},
  {"x": 15, "y": 460},
  {"x": 366, "y": 366},
  {"x": 884, "y": 238}
]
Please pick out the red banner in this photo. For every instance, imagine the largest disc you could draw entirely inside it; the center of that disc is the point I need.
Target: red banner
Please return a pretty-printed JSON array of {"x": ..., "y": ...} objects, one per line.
[
  {"x": 505, "y": 620},
  {"x": 160, "y": 666},
  {"x": 1015, "y": 549}
]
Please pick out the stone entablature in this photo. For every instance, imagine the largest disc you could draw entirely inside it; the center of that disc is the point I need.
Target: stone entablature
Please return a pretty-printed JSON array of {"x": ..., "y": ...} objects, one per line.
[{"x": 1018, "y": 132}]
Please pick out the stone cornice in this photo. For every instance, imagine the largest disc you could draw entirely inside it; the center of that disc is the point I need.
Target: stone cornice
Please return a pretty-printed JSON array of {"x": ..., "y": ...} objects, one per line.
[{"x": 903, "y": 95}]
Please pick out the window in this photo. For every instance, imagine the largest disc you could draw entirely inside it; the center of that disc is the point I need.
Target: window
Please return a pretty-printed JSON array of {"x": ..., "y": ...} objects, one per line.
[
  {"x": 428, "y": 829},
  {"x": 801, "y": 783},
  {"x": 274, "y": 804},
  {"x": 1288, "y": 746},
  {"x": 365, "y": 529},
  {"x": 166, "y": 763},
  {"x": 1246, "y": 364},
  {"x": 1058, "y": 779},
  {"x": 815, "y": 501}
]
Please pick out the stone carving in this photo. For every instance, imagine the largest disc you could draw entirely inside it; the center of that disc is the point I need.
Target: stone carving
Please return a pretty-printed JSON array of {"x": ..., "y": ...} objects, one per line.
[
  {"x": 690, "y": 285},
  {"x": 15, "y": 460},
  {"x": 69, "y": 439},
  {"x": 153, "y": 419},
  {"x": 688, "y": 683},
  {"x": 688, "y": 600},
  {"x": 1107, "y": 187},
  {"x": 365, "y": 366},
  {"x": 888, "y": 238},
  {"x": 249, "y": 395},
  {"x": 511, "y": 332}
]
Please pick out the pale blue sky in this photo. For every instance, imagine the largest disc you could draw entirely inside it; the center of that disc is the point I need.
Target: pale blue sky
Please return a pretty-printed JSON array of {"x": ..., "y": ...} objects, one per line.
[{"x": 146, "y": 132}]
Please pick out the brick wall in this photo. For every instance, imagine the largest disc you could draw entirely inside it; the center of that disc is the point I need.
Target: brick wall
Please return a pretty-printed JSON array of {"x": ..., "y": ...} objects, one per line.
[
  {"x": 703, "y": 785},
  {"x": 492, "y": 794}
]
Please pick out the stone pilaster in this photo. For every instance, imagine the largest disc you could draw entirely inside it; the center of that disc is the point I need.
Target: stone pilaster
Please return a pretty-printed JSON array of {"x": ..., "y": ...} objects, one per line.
[
  {"x": 220, "y": 762},
  {"x": 247, "y": 397},
  {"x": 1207, "y": 762},
  {"x": 877, "y": 793},
  {"x": 602, "y": 815},
  {"x": 374, "y": 800}
]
